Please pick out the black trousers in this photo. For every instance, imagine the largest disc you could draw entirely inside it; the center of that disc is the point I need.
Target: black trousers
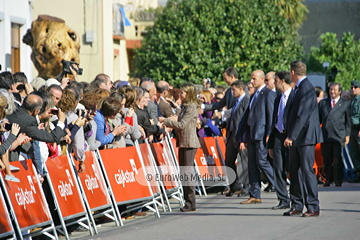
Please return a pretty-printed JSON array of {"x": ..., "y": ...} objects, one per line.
[
  {"x": 186, "y": 157},
  {"x": 333, "y": 160},
  {"x": 355, "y": 148},
  {"x": 281, "y": 167},
  {"x": 303, "y": 187}
]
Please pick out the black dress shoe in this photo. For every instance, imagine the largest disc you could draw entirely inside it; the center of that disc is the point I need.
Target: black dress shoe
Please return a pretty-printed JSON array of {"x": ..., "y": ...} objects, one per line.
[
  {"x": 310, "y": 213},
  {"x": 225, "y": 191},
  {"x": 281, "y": 206},
  {"x": 187, "y": 209},
  {"x": 232, "y": 192},
  {"x": 326, "y": 184},
  {"x": 338, "y": 184},
  {"x": 229, "y": 194},
  {"x": 292, "y": 212}
]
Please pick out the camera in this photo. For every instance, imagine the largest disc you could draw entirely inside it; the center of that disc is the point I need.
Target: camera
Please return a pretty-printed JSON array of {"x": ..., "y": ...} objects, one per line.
[
  {"x": 54, "y": 111},
  {"x": 80, "y": 112},
  {"x": 67, "y": 66},
  {"x": 20, "y": 87},
  {"x": 8, "y": 126}
]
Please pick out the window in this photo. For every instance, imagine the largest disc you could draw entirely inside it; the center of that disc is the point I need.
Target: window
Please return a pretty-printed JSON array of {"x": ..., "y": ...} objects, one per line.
[{"x": 15, "y": 48}]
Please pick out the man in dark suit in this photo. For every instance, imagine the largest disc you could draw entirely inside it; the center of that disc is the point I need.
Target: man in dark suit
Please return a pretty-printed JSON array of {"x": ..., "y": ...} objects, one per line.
[
  {"x": 25, "y": 116},
  {"x": 230, "y": 75},
  {"x": 232, "y": 146},
  {"x": 255, "y": 129},
  {"x": 162, "y": 89},
  {"x": 334, "y": 115},
  {"x": 303, "y": 133},
  {"x": 277, "y": 150}
]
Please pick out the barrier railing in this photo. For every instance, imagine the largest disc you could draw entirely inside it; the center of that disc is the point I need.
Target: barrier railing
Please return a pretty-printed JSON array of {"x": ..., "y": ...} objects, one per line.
[{"x": 111, "y": 177}]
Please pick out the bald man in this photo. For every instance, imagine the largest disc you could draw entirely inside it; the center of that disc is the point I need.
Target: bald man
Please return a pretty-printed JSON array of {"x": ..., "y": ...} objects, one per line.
[
  {"x": 25, "y": 116},
  {"x": 270, "y": 81},
  {"x": 162, "y": 89},
  {"x": 255, "y": 130}
]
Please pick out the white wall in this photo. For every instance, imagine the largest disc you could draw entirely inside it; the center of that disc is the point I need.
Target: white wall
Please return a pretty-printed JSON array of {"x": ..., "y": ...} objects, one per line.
[{"x": 19, "y": 12}]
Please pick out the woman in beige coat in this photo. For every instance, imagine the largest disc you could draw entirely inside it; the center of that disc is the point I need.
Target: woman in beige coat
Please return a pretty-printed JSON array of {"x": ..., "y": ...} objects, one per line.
[{"x": 187, "y": 141}]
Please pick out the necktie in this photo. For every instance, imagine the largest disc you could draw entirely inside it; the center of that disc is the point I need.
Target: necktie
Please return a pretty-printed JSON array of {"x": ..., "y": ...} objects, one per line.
[
  {"x": 254, "y": 98},
  {"x": 107, "y": 128},
  {"x": 333, "y": 103},
  {"x": 279, "y": 125}
]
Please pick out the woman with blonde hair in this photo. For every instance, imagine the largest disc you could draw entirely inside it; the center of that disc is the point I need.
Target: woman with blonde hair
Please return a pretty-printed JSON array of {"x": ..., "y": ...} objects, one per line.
[{"x": 186, "y": 140}]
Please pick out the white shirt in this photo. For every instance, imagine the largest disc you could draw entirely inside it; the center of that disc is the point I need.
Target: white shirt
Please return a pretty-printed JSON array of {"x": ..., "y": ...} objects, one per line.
[{"x": 336, "y": 100}]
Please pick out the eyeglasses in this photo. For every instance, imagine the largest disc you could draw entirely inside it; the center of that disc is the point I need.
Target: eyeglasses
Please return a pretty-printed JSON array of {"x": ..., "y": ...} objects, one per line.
[{"x": 354, "y": 87}]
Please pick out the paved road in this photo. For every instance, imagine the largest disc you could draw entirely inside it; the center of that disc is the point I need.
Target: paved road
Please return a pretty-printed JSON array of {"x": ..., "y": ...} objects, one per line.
[{"x": 219, "y": 217}]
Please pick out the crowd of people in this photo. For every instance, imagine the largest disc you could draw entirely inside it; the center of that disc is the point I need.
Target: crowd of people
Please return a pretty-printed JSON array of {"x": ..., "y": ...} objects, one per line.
[{"x": 271, "y": 125}]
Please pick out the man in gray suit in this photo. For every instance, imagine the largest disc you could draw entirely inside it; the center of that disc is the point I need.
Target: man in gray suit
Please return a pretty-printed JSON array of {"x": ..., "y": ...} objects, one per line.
[
  {"x": 255, "y": 131},
  {"x": 232, "y": 146},
  {"x": 334, "y": 115},
  {"x": 303, "y": 133},
  {"x": 152, "y": 108}
]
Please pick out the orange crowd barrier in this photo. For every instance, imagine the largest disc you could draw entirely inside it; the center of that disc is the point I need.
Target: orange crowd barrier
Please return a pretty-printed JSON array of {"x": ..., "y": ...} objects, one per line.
[
  {"x": 27, "y": 200},
  {"x": 6, "y": 229}
]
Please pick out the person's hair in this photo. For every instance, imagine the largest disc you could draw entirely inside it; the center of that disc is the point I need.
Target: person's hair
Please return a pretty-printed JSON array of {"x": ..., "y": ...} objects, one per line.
[
  {"x": 284, "y": 75},
  {"x": 75, "y": 92},
  {"x": 10, "y": 100},
  {"x": 130, "y": 95},
  {"x": 68, "y": 101},
  {"x": 110, "y": 106},
  {"x": 139, "y": 93},
  {"x": 20, "y": 77},
  {"x": 298, "y": 67},
  {"x": 102, "y": 92},
  {"x": 143, "y": 79},
  {"x": 90, "y": 99},
  {"x": 31, "y": 106},
  {"x": 191, "y": 96},
  {"x": 117, "y": 95},
  {"x": 77, "y": 86},
  {"x": 3, "y": 106},
  {"x": 99, "y": 79},
  {"x": 239, "y": 84},
  {"x": 230, "y": 71},
  {"x": 162, "y": 88},
  {"x": 6, "y": 80},
  {"x": 86, "y": 87},
  {"x": 134, "y": 82},
  {"x": 220, "y": 89},
  {"x": 334, "y": 84},
  {"x": 318, "y": 90},
  {"x": 54, "y": 86},
  {"x": 207, "y": 94},
  {"x": 147, "y": 85}
]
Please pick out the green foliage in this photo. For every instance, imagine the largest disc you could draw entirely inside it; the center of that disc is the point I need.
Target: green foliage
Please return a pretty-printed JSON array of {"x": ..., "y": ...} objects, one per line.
[
  {"x": 343, "y": 54},
  {"x": 192, "y": 40},
  {"x": 294, "y": 10}
]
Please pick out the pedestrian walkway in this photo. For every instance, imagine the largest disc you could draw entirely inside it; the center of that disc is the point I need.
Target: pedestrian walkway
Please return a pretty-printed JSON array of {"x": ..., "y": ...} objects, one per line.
[{"x": 219, "y": 217}]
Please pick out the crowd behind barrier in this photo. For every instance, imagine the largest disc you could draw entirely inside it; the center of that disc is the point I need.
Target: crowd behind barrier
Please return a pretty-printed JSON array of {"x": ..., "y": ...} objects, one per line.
[{"x": 73, "y": 153}]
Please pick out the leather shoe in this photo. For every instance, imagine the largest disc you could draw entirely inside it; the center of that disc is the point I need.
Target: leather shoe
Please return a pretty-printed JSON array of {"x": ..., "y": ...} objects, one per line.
[
  {"x": 281, "y": 206},
  {"x": 338, "y": 184},
  {"x": 226, "y": 191},
  {"x": 251, "y": 200},
  {"x": 231, "y": 193},
  {"x": 292, "y": 212},
  {"x": 187, "y": 209},
  {"x": 326, "y": 184},
  {"x": 310, "y": 213}
]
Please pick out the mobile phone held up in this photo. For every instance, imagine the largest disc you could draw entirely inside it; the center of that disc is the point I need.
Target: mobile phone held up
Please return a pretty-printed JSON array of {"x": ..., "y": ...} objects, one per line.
[
  {"x": 54, "y": 111},
  {"x": 80, "y": 112},
  {"x": 8, "y": 126}
]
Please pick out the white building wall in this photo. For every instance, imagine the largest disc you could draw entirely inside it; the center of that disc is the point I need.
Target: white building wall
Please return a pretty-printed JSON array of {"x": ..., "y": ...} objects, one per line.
[{"x": 19, "y": 12}]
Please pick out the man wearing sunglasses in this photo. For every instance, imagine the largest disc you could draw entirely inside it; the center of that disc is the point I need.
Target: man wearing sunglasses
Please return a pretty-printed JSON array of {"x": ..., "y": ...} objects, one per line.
[{"x": 355, "y": 128}]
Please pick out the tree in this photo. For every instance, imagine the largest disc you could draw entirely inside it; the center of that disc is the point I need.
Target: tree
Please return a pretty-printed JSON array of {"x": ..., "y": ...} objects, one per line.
[
  {"x": 342, "y": 55},
  {"x": 192, "y": 40},
  {"x": 294, "y": 10}
]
